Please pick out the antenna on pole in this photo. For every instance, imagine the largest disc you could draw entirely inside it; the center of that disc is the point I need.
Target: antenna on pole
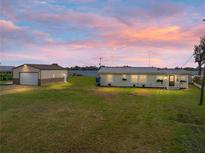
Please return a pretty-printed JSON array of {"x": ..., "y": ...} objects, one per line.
[{"x": 100, "y": 63}]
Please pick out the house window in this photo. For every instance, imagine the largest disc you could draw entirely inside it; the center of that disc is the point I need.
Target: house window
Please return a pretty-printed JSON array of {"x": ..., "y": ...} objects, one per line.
[
  {"x": 109, "y": 78},
  {"x": 160, "y": 79},
  {"x": 133, "y": 78},
  {"x": 124, "y": 77},
  {"x": 54, "y": 76},
  {"x": 183, "y": 77},
  {"x": 142, "y": 78}
]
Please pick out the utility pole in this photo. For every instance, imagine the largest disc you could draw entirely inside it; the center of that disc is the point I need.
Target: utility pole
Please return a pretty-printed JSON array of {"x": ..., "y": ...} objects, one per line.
[
  {"x": 203, "y": 84},
  {"x": 202, "y": 88}
]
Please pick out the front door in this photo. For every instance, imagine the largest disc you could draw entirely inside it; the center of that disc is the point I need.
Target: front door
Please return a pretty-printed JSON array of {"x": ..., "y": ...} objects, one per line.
[{"x": 171, "y": 80}]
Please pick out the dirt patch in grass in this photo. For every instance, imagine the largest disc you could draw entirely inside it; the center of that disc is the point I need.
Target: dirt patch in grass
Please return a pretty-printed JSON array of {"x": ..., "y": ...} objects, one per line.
[
  {"x": 140, "y": 92},
  {"x": 109, "y": 90},
  {"x": 106, "y": 93},
  {"x": 106, "y": 96}
]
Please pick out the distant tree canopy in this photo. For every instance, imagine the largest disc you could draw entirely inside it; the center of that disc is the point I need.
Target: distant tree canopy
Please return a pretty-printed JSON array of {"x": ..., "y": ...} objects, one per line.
[
  {"x": 190, "y": 69},
  {"x": 199, "y": 54},
  {"x": 91, "y": 68}
]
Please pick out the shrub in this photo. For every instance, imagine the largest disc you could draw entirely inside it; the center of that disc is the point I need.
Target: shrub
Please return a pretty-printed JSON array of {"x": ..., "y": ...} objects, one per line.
[
  {"x": 198, "y": 79},
  {"x": 160, "y": 81}
]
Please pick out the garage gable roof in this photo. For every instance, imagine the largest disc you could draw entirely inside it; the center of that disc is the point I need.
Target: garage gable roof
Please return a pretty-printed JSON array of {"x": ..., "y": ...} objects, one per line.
[{"x": 45, "y": 66}]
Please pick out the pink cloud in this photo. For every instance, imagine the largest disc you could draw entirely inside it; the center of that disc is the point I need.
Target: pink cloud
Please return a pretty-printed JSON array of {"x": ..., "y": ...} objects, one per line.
[
  {"x": 21, "y": 35},
  {"x": 113, "y": 32},
  {"x": 66, "y": 54},
  {"x": 116, "y": 41},
  {"x": 22, "y": 56},
  {"x": 8, "y": 26}
]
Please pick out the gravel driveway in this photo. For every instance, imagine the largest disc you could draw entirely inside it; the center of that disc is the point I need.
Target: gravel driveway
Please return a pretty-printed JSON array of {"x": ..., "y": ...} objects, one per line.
[{"x": 9, "y": 89}]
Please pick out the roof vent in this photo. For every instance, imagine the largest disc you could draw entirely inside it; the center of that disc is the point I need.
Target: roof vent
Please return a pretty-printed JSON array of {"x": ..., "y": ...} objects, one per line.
[{"x": 55, "y": 64}]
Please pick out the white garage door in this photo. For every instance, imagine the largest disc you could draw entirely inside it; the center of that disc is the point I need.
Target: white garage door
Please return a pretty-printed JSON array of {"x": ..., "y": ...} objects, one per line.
[{"x": 29, "y": 78}]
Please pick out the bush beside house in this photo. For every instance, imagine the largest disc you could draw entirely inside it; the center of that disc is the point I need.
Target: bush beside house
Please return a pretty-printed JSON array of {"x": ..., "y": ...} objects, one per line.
[
  {"x": 198, "y": 80},
  {"x": 6, "y": 73}
]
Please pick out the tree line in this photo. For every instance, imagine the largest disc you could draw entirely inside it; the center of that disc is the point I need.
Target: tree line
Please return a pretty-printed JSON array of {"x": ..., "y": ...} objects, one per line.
[
  {"x": 85, "y": 68},
  {"x": 199, "y": 54}
]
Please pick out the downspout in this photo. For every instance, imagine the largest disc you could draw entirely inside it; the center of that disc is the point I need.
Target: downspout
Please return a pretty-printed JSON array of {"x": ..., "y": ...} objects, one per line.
[{"x": 39, "y": 78}]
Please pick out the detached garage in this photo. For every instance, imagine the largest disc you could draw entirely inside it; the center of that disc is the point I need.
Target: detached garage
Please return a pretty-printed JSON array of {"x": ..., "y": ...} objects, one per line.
[{"x": 39, "y": 74}]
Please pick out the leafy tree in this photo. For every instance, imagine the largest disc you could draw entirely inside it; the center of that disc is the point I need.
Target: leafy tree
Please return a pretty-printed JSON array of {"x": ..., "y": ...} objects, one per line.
[{"x": 199, "y": 54}]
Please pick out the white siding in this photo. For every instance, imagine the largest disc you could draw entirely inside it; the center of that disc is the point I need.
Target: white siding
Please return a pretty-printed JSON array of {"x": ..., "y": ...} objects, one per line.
[
  {"x": 49, "y": 74},
  {"x": 140, "y": 80}
]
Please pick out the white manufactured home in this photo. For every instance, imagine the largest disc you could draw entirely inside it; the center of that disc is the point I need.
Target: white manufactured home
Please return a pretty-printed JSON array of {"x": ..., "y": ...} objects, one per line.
[{"x": 143, "y": 77}]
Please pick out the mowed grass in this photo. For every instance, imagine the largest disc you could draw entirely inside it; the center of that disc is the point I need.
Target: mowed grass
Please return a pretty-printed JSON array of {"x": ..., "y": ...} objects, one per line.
[{"x": 79, "y": 117}]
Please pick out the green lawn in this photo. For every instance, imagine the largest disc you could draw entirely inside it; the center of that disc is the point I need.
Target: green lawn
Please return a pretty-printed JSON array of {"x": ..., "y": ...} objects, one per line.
[{"x": 80, "y": 117}]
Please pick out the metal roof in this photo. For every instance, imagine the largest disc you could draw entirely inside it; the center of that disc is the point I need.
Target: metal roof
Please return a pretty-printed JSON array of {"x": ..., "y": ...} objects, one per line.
[
  {"x": 140, "y": 70},
  {"x": 6, "y": 68},
  {"x": 45, "y": 67}
]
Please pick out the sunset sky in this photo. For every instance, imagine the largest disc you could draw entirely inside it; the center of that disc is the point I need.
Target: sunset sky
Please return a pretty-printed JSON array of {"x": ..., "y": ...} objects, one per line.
[{"x": 79, "y": 32}]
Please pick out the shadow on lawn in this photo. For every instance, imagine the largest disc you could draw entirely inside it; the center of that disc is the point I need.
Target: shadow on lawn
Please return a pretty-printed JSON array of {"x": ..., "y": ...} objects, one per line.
[{"x": 188, "y": 118}]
